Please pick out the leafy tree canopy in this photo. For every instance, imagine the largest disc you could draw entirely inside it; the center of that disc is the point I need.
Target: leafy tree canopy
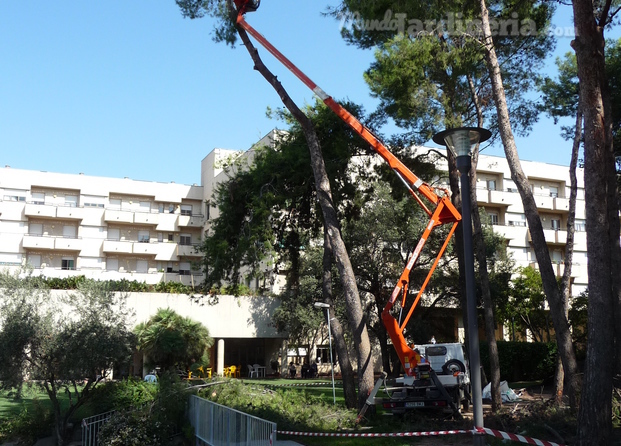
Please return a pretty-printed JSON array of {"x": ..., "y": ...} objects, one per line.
[
  {"x": 61, "y": 342},
  {"x": 430, "y": 63},
  {"x": 171, "y": 340},
  {"x": 560, "y": 96}
]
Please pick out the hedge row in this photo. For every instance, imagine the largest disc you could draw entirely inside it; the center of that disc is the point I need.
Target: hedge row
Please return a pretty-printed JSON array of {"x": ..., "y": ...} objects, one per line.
[
  {"x": 123, "y": 285},
  {"x": 522, "y": 361}
]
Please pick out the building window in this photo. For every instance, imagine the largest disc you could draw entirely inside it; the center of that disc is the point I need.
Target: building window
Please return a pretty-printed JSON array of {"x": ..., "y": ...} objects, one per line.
[
  {"x": 171, "y": 208},
  {"x": 68, "y": 263},
  {"x": 35, "y": 229},
  {"x": 493, "y": 218},
  {"x": 93, "y": 201},
  {"x": 38, "y": 198},
  {"x": 323, "y": 354},
  {"x": 14, "y": 198},
  {"x": 71, "y": 201},
  {"x": 555, "y": 224},
  {"x": 34, "y": 261},
  {"x": 186, "y": 209},
  {"x": 114, "y": 234},
  {"x": 145, "y": 206},
  {"x": 115, "y": 203},
  {"x": 553, "y": 191},
  {"x": 517, "y": 220},
  {"x": 580, "y": 225},
  {"x": 142, "y": 266},
  {"x": 185, "y": 239},
  {"x": 491, "y": 184},
  {"x": 144, "y": 237},
  {"x": 69, "y": 231},
  {"x": 171, "y": 237},
  {"x": 112, "y": 264},
  {"x": 184, "y": 269}
]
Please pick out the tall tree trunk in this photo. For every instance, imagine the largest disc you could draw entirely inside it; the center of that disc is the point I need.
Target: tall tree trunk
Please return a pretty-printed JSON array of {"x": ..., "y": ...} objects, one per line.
[
  {"x": 569, "y": 248},
  {"x": 479, "y": 249},
  {"x": 602, "y": 225},
  {"x": 347, "y": 372},
  {"x": 548, "y": 277},
  {"x": 355, "y": 316}
]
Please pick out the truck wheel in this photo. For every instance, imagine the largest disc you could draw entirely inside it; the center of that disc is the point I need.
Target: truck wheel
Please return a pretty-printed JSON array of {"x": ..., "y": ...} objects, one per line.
[{"x": 452, "y": 366}]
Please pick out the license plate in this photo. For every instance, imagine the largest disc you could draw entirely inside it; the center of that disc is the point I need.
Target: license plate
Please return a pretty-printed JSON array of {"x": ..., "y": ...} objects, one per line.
[{"x": 415, "y": 404}]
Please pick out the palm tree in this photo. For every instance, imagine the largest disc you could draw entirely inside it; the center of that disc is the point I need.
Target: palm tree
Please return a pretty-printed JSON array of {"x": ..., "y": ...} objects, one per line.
[{"x": 171, "y": 340}]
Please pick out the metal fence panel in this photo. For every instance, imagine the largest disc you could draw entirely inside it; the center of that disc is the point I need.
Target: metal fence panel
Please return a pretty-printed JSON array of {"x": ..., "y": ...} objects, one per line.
[
  {"x": 217, "y": 425},
  {"x": 90, "y": 427}
]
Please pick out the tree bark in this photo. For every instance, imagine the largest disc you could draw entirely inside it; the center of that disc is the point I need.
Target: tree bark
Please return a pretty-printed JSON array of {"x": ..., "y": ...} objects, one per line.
[
  {"x": 347, "y": 372},
  {"x": 602, "y": 225},
  {"x": 569, "y": 248},
  {"x": 561, "y": 324},
  {"x": 356, "y": 319}
]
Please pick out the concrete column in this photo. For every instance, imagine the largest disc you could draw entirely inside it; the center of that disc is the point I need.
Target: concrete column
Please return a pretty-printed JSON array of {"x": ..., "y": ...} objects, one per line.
[{"x": 220, "y": 360}]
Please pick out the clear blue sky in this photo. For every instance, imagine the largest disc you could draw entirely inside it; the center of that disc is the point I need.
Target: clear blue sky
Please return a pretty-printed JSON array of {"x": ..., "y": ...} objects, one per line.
[{"x": 129, "y": 88}]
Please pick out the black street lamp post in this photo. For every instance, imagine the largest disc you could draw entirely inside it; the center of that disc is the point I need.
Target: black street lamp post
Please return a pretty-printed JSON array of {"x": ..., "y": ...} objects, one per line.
[
  {"x": 460, "y": 142},
  {"x": 327, "y": 308}
]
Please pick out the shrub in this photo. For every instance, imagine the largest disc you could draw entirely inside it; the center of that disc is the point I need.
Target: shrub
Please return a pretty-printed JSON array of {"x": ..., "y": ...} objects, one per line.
[
  {"x": 522, "y": 361},
  {"x": 154, "y": 422},
  {"x": 29, "y": 425},
  {"x": 128, "y": 429},
  {"x": 291, "y": 409},
  {"x": 121, "y": 395}
]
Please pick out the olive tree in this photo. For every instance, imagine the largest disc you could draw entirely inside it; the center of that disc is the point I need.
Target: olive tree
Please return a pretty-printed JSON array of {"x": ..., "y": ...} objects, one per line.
[{"x": 64, "y": 344}]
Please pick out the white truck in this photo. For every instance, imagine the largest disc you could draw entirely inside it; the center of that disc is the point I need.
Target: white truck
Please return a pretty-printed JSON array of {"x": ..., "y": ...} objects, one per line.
[{"x": 440, "y": 380}]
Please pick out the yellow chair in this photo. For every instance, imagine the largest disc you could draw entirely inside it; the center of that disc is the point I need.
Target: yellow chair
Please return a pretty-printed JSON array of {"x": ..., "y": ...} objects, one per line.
[{"x": 233, "y": 371}]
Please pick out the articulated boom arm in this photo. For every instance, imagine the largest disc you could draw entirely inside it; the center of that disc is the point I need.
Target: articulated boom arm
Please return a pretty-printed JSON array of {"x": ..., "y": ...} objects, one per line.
[{"x": 441, "y": 212}]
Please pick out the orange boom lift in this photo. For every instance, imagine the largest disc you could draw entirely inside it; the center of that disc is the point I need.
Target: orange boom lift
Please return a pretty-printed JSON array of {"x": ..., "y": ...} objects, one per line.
[{"x": 439, "y": 208}]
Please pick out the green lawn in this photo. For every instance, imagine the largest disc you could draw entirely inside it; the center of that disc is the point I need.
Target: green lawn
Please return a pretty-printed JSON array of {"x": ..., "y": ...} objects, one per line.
[{"x": 10, "y": 407}]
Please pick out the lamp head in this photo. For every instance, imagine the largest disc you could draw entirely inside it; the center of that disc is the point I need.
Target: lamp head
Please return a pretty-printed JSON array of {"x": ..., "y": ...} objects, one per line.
[
  {"x": 321, "y": 305},
  {"x": 461, "y": 140}
]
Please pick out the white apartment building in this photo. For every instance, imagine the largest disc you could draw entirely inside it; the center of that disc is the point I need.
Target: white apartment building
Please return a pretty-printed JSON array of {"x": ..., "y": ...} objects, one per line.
[
  {"x": 112, "y": 228},
  {"x": 550, "y": 183},
  {"x": 102, "y": 228}
]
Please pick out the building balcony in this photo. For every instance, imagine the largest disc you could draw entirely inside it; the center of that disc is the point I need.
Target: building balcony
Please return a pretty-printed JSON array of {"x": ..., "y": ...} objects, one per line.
[
  {"x": 113, "y": 216},
  {"x": 167, "y": 222},
  {"x": 188, "y": 251},
  {"x": 516, "y": 235},
  {"x": 561, "y": 204},
  {"x": 192, "y": 279},
  {"x": 556, "y": 237},
  {"x": 117, "y": 246},
  {"x": 146, "y": 218},
  {"x": 559, "y": 268},
  {"x": 37, "y": 242},
  {"x": 497, "y": 197},
  {"x": 544, "y": 202},
  {"x": 553, "y": 236},
  {"x": 68, "y": 244},
  {"x": 70, "y": 213},
  {"x": 167, "y": 252},
  {"x": 145, "y": 248},
  {"x": 191, "y": 220},
  {"x": 40, "y": 210}
]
